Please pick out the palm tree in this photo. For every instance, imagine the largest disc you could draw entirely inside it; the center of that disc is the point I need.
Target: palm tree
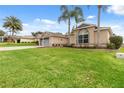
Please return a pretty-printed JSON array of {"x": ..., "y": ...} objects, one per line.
[
  {"x": 100, "y": 7},
  {"x": 13, "y": 24},
  {"x": 78, "y": 15},
  {"x": 67, "y": 14},
  {"x": 36, "y": 33}
]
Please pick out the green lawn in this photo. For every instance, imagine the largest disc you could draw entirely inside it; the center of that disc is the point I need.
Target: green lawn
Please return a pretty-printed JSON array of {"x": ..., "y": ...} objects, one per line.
[
  {"x": 61, "y": 67},
  {"x": 122, "y": 49},
  {"x": 16, "y": 44}
]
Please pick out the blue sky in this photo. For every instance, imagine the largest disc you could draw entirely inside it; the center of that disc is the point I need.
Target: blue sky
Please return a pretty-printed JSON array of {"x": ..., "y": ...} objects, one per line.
[{"x": 44, "y": 18}]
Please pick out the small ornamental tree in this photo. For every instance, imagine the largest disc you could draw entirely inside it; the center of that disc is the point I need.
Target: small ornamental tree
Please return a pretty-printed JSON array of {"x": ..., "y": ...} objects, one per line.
[
  {"x": 116, "y": 41},
  {"x": 2, "y": 33}
]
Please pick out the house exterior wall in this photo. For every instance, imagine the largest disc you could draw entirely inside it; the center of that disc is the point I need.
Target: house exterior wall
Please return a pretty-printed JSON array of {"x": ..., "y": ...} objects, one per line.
[
  {"x": 57, "y": 41},
  {"x": 103, "y": 38},
  {"x": 74, "y": 36},
  {"x": 27, "y": 40},
  {"x": 91, "y": 36}
]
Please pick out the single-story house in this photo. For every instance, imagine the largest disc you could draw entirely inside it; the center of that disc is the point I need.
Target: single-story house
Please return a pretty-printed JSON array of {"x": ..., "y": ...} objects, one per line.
[
  {"x": 25, "y": 39},
  {"x": 49, "y": 39},
  {"x": 85, "y": 35},
  {"x": 18, "y": 39}
]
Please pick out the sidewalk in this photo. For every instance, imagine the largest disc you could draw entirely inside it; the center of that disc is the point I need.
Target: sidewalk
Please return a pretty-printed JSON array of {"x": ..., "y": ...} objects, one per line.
[{"x": 16, "y": 48}]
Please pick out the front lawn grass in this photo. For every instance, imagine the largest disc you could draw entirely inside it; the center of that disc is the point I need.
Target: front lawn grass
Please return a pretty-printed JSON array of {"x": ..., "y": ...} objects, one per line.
[
  {"x": 122, "y": 49},
  {"x": 61, "y": 67},
  {"x": 16, "y": 44}
]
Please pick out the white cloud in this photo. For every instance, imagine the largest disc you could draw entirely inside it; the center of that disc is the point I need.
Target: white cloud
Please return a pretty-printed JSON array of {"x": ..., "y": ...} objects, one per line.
[
  {"x": 43, "y": 25},
  {"x": 46, "y": 21},
  {"x": 116, "y": 28},
  {"x": 37, "y": 20},
  {"x": 91, "y": 17},
  {"x": 25, "y": 24},
  {"x": 119, "y": 10}
]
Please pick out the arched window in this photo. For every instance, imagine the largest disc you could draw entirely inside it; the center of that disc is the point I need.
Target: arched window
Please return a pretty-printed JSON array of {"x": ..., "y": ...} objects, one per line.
[{"x": 83, "y": 36}]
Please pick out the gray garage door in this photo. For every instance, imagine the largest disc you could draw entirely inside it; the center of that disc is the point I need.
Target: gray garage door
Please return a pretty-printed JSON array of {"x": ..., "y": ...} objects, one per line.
[
  {"x": 45, "y": 42},
  {"x": 1, "y": 39}
]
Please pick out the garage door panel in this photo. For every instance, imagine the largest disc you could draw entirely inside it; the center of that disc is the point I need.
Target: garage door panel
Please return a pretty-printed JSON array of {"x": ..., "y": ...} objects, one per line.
[{"x": 45, "y": 42}]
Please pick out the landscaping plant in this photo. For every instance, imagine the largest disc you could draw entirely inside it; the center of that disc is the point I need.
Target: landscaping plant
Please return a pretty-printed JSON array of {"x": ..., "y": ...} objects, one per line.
[{"x": 115, "y": 42}]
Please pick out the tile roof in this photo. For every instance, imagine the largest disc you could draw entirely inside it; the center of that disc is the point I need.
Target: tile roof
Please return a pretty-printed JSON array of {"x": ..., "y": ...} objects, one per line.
[{"x": 50, "y": 34}]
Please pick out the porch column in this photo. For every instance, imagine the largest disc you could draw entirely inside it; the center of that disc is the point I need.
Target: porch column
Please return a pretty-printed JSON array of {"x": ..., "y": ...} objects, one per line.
[
  {"x": 43, "y": 42},
  {"x": 39, "y": 43}
]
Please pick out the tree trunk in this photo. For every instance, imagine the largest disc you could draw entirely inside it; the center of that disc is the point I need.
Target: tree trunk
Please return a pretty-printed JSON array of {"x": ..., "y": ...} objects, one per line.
[
  {"x": 77, "y": 32},
  {"x": 69, "y": 26},
  {"x": 98, "y": 23},
  {"x": 69, "y": 29},
  {"x": 12, "y": 36},
  {"x": 12, "y": 33}
]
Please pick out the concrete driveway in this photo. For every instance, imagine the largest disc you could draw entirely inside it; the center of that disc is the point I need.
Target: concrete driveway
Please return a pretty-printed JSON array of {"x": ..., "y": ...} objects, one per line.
[{"x": 16, "y": 48}]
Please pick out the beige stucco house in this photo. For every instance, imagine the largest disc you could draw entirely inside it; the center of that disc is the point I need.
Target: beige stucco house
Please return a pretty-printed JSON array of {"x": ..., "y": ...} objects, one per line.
[
  {"x": 86, "y": 36},
  {"x": 49, "y": 39},
  {"x": 28, "y": 39},
  {"x": 25, "y": 39}
]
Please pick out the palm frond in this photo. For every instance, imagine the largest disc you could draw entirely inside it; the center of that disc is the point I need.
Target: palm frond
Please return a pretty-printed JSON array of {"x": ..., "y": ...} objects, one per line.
[
  {"x": 104, "y": 7},
  {"x": 12, "y": 23},
  {"x": 78, "y": 14},
  {"x": 64, "y": 8},
  {"x": 65, "y": 14}
]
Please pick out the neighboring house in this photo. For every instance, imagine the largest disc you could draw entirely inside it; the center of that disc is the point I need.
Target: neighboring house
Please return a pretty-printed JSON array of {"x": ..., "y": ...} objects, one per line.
[
  {"x": 25, "y": 39},
  {"x": 86, "y": 36},
  {"x": 49, "y": 39},
  {"x": 19, "y": 39},
  {"x": 1, "y": 39}
]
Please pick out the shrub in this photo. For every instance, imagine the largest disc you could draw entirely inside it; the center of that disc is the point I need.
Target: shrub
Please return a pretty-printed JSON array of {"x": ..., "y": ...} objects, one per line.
[
  {"x": 111, "y": 46},
  {"x": 115, "y": 42},
  {"x": 95, "y": 46},
  {"x": 36, "y": 42},
  {"x": 67, "y": 45}
]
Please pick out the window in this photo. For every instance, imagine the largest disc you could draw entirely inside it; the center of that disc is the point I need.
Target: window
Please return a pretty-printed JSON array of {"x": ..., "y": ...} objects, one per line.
[
  {"x": 80, "y": 38},
  {"x": 83, "y": 37}
]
